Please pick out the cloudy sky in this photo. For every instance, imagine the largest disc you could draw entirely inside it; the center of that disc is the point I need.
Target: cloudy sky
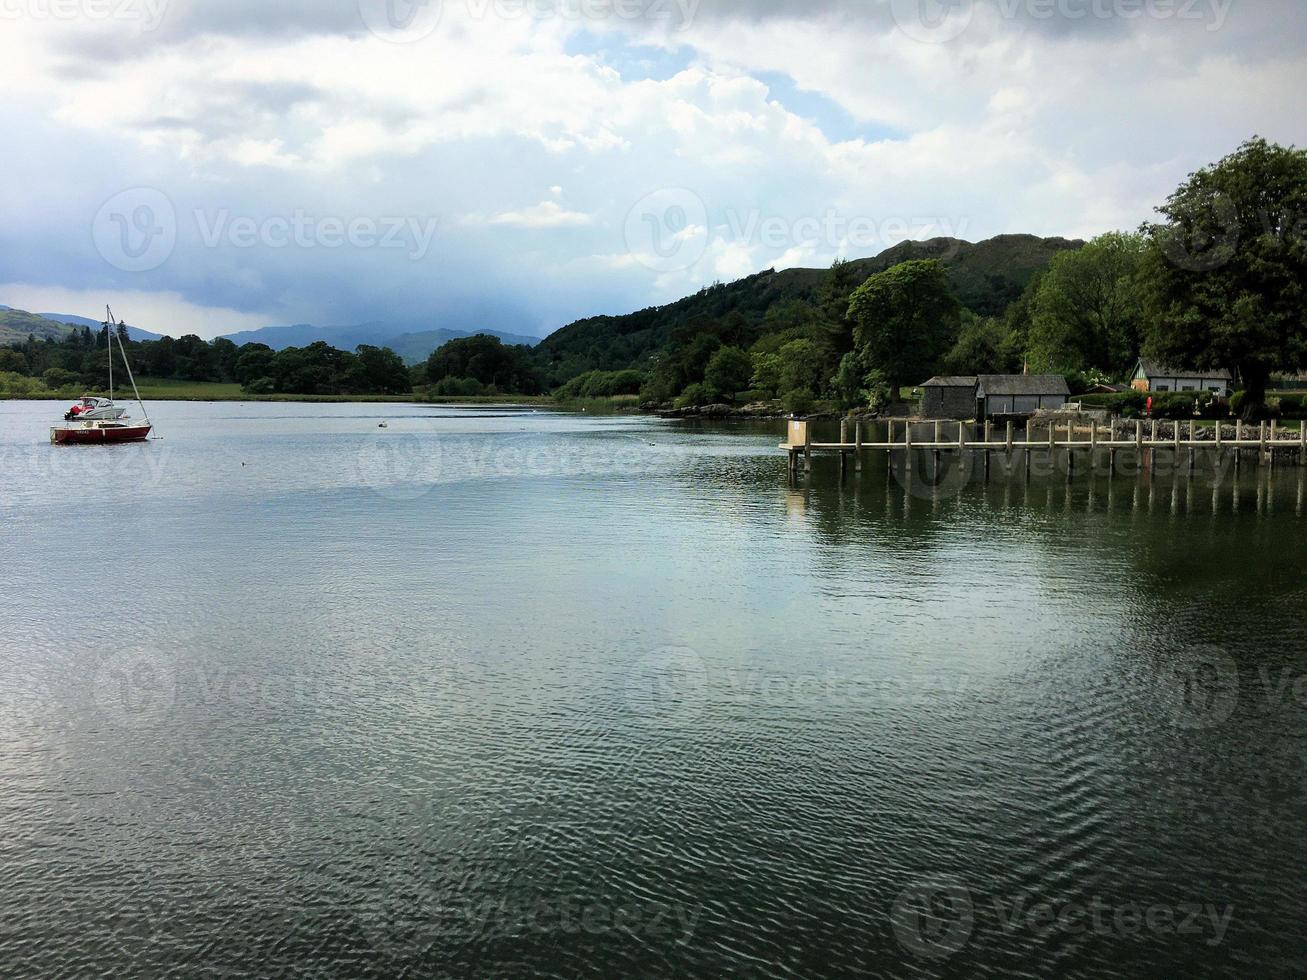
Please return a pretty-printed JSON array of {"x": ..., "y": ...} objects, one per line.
[{"x": 217, "y": 165}]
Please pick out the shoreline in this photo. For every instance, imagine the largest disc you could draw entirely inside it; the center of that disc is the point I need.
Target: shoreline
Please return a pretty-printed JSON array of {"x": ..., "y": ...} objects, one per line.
[
  {"x": 757, "y": 412},
  {"x": 409, "y": 399}
]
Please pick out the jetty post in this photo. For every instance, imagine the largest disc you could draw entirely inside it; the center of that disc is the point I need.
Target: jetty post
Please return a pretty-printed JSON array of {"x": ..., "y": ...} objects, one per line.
[{"x": 844, "y": 441}]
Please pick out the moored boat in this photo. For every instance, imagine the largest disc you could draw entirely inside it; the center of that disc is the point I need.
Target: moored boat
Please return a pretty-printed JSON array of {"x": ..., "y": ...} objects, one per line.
[
  {"x": 97, "y": 421},
  {"x": 94, "y": 408},
  {"x": 97, "y": 432}
]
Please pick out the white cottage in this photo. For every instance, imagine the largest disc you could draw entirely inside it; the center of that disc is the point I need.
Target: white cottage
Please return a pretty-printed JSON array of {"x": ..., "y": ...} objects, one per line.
[{"x": 1153, "y": 377}]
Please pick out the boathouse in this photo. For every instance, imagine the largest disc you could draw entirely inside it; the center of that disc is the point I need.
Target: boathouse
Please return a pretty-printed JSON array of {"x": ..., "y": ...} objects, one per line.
[
  {"x": 991, "y": 395},
  {"x": 1020, "y": 394},
  {"x": 949, "y": 398}
]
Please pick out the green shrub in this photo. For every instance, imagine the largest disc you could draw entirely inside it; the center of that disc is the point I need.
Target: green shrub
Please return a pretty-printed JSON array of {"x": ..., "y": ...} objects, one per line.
[
  {"x": 1181, "y": 405},
  {"x": 260, "y": 386},
  {"x": 1293, "y": 406},
  {"x": 1129, "y": 404},
  {"x": 601, "y": 384},
  {"x": 457, "y": 388},
  {"x": 798, "y": 401},
  {"x": 59, "y": 378},
  {"x": 15, "y": 384},
  {"x": 695, "y": 395}
]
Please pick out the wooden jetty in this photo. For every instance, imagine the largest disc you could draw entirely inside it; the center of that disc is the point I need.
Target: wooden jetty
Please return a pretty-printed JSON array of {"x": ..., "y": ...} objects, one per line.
[{"x": 1071, "y": 436}]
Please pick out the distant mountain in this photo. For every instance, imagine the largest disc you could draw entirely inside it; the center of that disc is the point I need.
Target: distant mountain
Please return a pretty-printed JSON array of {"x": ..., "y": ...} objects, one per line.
[
  {"x": 134, "y": 333},
  {"x": 986, "y": 276},
  {"x": 414, "y": 345}
]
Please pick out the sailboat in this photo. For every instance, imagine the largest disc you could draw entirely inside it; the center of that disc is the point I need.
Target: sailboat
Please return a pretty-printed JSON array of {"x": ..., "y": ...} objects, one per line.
[{"x": 99, "y": 420}]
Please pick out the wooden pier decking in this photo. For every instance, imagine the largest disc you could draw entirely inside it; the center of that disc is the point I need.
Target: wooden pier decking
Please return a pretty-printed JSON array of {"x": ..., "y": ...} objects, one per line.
[{"x": 1071, "y": 436}]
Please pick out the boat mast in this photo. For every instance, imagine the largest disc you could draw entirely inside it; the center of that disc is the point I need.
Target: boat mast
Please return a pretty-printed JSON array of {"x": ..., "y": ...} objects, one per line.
[{"x": 108, "y": 345}]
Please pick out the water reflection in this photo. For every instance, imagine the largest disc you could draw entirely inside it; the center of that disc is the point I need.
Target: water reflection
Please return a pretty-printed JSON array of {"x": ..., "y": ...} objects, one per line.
[
  {"x": 1211, "y": 483},
  {"x": 410, "y": 689}
]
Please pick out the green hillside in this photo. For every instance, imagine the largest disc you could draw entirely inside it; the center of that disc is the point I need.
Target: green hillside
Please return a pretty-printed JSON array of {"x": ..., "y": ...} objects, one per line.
[
  {"x": 986, "y": 276},
  {"x": 17, "y": 325}
]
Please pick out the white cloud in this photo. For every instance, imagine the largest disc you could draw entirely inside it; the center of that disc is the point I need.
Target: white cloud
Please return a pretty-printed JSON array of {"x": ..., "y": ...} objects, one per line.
[{"x": 546, "y": 214}]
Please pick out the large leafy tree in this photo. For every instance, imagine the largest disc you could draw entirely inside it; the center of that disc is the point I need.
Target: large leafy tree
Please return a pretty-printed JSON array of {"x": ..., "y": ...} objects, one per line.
[
  {"x": 1225, "y": 277},
  {"x": 487, "y": 360},
  {"x": 728, "y": 372},
  {"x": 1087, "y": 312},
  {"x": 833, "y": 297},
  {"x": 905, "y": 320},
  {"x": 985, "y": 345},
  {"x": 380, "y": 369}
]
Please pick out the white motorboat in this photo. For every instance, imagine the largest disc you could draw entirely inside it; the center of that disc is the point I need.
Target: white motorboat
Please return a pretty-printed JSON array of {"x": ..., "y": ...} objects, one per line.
[{"x": 91, "y": 409}]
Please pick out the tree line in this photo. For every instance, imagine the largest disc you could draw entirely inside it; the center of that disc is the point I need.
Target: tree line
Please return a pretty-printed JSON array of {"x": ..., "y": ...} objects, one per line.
[
  {"x": 81, "y": 359},
  {"x": 476, "y": 365}
]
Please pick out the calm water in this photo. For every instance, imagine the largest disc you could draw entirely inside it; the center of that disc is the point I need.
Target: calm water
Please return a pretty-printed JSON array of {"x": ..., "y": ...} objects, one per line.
[{"x": 507, "y": 693}]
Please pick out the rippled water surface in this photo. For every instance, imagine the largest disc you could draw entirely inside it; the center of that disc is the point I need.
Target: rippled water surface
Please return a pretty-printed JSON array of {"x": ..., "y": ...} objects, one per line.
[{"x": 504, "y": 693}]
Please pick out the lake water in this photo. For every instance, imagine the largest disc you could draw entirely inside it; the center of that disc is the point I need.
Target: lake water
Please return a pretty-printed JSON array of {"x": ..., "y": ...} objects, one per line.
[{"x": 509, "y": 693}]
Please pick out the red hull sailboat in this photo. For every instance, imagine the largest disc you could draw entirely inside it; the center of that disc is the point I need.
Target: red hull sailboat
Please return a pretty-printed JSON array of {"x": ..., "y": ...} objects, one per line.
[
  {"x": 97, "y": 421},
  {"x": 87, "y": 433}
]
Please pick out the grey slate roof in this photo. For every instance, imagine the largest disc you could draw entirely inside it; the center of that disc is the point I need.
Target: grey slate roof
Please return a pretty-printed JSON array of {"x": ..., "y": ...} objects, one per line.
[
  {"x": 950, "y": 382},
  {"x": 1023, "y": 384},
  {"x": 1152, "y": 369}
]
